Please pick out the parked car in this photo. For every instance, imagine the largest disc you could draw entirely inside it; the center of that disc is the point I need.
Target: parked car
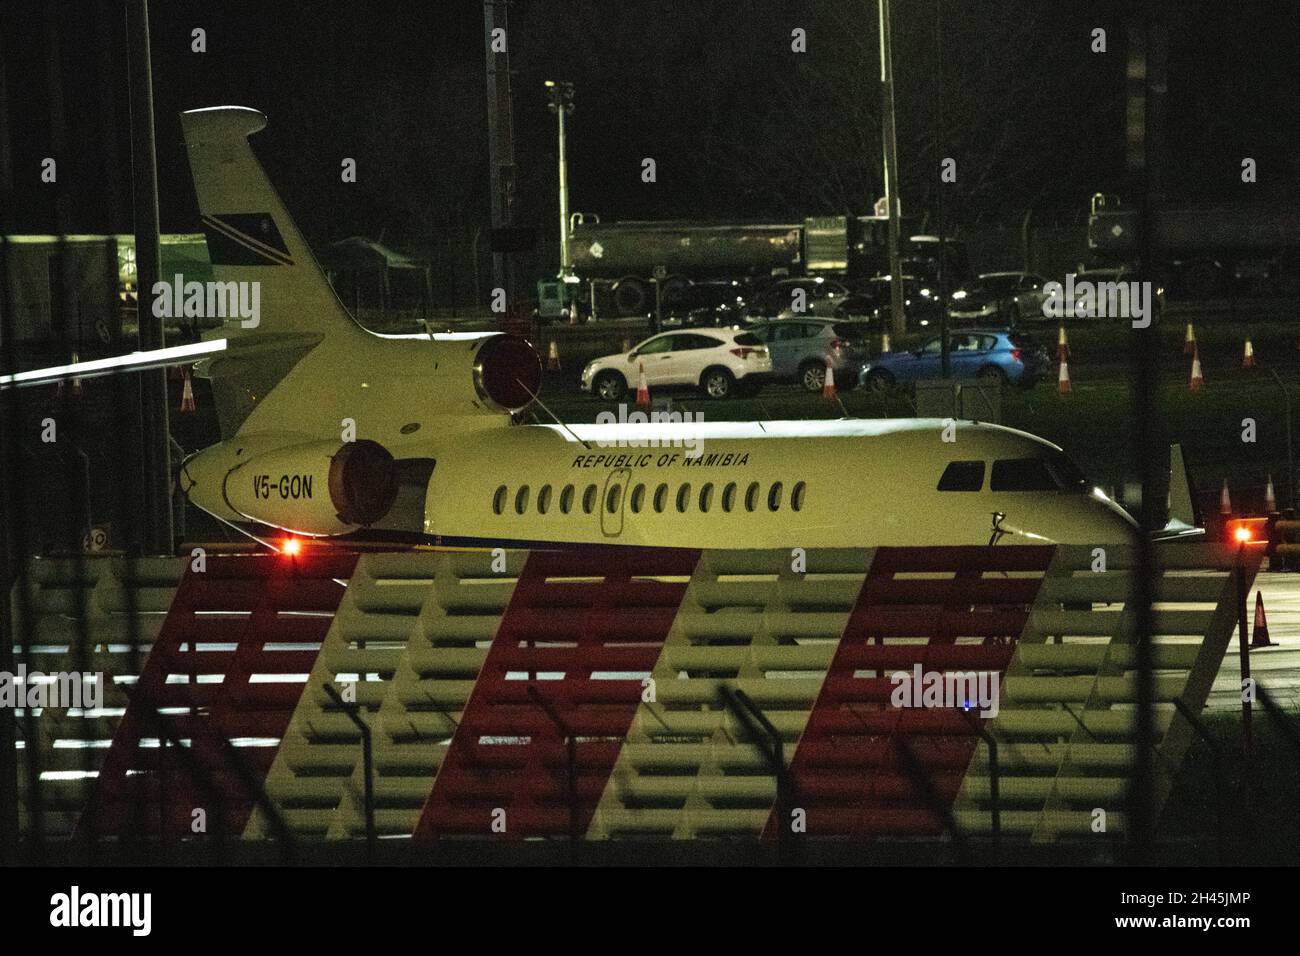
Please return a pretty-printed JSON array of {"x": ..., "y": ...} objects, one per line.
[
  {"x": 705, "y": 304},
  {"x": 719, "y": 362},
  {"x": 1010, "y": 297},
  {"x": 801, "y": 349},
  {"x": 818, "y": 296},
  {"x": 994, "y": 355},
  {"x": 1096, "y": 276},
  {"x": 860, "y": 304},
  {"x": 920, "y": 302}
]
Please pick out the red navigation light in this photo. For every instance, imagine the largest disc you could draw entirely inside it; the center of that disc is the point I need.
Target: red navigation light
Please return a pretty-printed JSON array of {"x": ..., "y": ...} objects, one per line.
[
  {"x": 1248, "y": 531},
  {"x": 291, "y": 547}
]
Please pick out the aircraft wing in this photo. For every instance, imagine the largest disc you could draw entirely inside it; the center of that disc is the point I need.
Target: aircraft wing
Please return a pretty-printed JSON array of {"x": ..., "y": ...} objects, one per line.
[
  {"x": 1177, "y": 530},
  {"x": 133, "y": 362}
]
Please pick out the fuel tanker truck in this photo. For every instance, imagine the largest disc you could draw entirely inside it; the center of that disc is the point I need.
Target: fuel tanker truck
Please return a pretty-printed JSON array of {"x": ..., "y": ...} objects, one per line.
[
  {"x": 617, "y": 265},
  {"x": 1204, "y": 250}
]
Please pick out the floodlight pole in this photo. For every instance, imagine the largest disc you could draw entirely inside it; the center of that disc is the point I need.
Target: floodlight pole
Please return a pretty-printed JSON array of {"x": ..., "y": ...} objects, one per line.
[
  {"x": 501, "y": 149},
  {"x": 890, "y": 150},
  {"x": 945, "y": 359},
  {"x": 561, "y": 95}
]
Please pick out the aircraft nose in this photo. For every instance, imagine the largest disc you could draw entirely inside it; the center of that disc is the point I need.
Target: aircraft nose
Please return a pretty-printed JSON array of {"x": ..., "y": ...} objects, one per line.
[{"x": 202, "y": 473}]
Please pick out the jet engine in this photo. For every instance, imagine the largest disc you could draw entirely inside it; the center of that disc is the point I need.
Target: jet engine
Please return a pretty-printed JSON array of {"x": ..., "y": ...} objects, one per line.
[
  {"x": 507, "y": 372},
  {"x": 315, "y": 489},
  {"x": 470, "y": 373}
]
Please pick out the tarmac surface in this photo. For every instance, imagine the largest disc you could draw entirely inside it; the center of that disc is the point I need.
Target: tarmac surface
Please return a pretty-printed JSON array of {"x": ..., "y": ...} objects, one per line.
[{"x": 1277, "y": 668}]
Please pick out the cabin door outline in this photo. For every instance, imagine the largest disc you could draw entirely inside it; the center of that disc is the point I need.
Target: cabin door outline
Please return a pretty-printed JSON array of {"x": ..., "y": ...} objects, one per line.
[{"x": 611, "y": 521}]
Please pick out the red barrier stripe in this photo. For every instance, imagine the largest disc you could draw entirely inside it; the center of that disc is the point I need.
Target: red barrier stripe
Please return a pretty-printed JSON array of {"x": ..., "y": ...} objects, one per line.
[
  {"x": 849, "y": 773},
  {"x": 525, "y": 771},
  {"x": 152, "y": 791}
]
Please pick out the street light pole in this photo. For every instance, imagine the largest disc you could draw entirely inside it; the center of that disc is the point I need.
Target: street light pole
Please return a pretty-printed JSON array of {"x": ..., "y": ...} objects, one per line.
[{"x": 890, "y": 144}]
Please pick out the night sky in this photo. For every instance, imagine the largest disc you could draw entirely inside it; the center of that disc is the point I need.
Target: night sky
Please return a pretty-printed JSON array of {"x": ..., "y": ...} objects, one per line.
[{"x": 739, "y": 125}]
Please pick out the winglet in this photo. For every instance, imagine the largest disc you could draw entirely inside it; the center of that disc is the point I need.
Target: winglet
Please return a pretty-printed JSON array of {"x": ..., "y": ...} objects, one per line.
[{"x": 1182, "y": 505}]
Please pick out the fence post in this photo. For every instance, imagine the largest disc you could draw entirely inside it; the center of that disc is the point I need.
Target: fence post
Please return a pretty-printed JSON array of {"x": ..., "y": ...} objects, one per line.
[{"x": 367, "y": 765}]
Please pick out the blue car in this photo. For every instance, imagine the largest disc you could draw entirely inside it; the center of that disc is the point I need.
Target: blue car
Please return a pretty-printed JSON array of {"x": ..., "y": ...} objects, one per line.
[{"x": 994, "y": 355}]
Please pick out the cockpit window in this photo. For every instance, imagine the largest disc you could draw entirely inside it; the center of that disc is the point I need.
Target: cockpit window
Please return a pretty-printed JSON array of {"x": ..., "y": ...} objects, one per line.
[
  {"x": 962, "y": 476},
  {"x": 1068, "y": 475},
  {"x": 1022, "y": 474}
]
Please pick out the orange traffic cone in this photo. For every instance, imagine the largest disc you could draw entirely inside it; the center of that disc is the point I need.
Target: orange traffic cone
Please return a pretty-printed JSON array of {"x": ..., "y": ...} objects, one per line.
[
  {"x": 1063, "y": 378},
  {"x": 884, "y": 343},
  {"x": 1225, "y": 500},
  {"x": 1189, "y": 340},
  {"x": 1062, "y": 345},
  {"x": 1198, "y": 380},
  {"x": 828, "y": 383},
  {"x": 1248, "y": 357},
  {"x": 1259, "y": 638},
  {"x": 1270, "y": 497},
  {"x": 553, "y": 357},
  {"x": 187, "y": 393},
  {"x": 642, "y": 389}
]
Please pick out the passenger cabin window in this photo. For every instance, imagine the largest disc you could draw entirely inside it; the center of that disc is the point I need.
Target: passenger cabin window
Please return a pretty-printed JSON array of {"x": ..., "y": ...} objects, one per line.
[
  {"x": 962, "y": 476},
  {"x": 638, "y": 498},
  {"x": 706, "y": 496},
  {"x": 683, "y": 497},
  {"x": 729, "y": 496},
  {"x": 751, "y": 496},
  {"x": 661, "y": 498},
  {"x": 589, "y": 499},
  {"x": 521, "y": 500},
  {"x": 566, "y": 499},
  {"x": 544, "y": 499},
  {"x": 774, "y": 497},
  {"x": 499, "y": 500},
  {"x": 796, "y": 496},
  {"x": 1022, "y": 474},
  {"x": 614, "y": 499}
]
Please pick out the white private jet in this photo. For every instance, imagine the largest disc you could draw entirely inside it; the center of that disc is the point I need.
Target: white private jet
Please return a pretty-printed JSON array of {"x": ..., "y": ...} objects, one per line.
[{"x": 332, "y": 431}]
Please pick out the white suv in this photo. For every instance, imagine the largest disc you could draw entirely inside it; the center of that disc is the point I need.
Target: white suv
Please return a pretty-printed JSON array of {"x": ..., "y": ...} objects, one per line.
[{"x": 720, "y": 362}]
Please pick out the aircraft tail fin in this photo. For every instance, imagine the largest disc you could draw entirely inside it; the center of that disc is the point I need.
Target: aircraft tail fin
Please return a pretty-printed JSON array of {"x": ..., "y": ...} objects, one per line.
[{"x": 252, "y": 240}]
